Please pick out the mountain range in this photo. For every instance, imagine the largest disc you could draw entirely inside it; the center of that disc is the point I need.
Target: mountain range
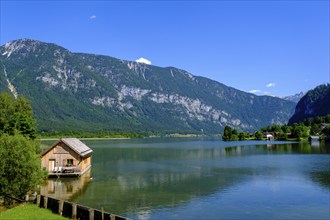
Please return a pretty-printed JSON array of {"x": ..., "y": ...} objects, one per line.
[
  {"x": 316, "y": 102},
  {"x": 95, "y": 93}
]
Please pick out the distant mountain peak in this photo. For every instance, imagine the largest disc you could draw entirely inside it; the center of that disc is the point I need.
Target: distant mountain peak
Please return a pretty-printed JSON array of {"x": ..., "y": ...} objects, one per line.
[
  {"x": 24, "y": 41},
  {"x": 25, "y": 46},
  {"x": 294, "y": 98},
  {"x": 17, "y": 46}
]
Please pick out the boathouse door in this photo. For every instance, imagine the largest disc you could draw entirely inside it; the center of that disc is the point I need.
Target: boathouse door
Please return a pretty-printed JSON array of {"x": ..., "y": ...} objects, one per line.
[{"x": 51, "y": 165}]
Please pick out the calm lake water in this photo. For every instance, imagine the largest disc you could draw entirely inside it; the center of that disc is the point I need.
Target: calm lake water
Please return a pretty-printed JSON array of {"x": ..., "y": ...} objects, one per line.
[{"x": 203, "y": 178}]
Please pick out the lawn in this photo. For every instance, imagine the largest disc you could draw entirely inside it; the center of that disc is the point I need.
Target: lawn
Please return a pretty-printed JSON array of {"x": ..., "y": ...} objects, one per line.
[{"x": 29, "y": 211}]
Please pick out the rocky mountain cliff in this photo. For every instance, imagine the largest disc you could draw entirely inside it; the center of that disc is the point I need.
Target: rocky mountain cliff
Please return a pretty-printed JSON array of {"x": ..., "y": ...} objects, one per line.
[
  {"x": 95, "y": 93},
  {"x": 315, "y": 103}
]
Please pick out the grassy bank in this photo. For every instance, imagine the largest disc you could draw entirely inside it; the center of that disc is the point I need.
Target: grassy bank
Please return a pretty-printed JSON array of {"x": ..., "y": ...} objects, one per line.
[{"x": 29, "y": 211}]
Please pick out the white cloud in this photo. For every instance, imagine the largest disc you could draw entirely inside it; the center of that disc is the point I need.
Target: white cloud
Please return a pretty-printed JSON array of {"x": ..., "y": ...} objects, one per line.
[
  {"x": 255, "y": 91},
  {"x": 271, "y": 85},
  {"x": 92, "y": 17},
  {"x": 269, "y": 94},
  {"x": 143, "y": 60},
  {"x": 260, "y": 92}
]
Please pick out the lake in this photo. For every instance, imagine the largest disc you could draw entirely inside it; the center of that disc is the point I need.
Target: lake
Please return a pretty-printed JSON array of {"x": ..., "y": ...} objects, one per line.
[{"x": 203, "y": 178}]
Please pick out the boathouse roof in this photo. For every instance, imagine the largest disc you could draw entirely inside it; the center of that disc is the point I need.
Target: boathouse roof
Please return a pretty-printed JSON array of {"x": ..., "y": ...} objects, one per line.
[{"x": 75, "y": 144}]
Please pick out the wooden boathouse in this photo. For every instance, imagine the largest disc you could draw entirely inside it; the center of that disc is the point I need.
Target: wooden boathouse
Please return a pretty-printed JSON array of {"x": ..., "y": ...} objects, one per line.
[{"x": 67, "y": 157}]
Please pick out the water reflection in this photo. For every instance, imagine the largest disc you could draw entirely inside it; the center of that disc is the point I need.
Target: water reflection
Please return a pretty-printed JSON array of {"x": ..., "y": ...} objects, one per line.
[
  {"x": 65, "y": 188},
  {"x": 304, "y": 148},
  {"x": 322, "y": 177},
  {"x": 135, "y": 179}
]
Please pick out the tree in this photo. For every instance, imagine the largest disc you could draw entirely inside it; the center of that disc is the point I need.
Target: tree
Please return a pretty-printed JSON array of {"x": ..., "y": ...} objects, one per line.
[
  {"x": 327, "y": 119},
  {"x": 234, "y": 137},
  {"x": 227, "y": 133},
  {"x": 326, "y": 130},
  {"x": 243, "y": 136},
  {"x": 315, "y": 128},
  {"x": 299, "y": 131},
  {"x": 319, "y": 120},
  {"x": 282, "y": 136},
  {"x": 266, "y": 129},
  {"x": 20, "y": 169},
  {"x": 16, "y": 115},
  {"x": 308, "y": 121},
  {"x": 258, "y": 135},
  {"x": 276, "y": 128},
  {"x": 286, "y": 128}
]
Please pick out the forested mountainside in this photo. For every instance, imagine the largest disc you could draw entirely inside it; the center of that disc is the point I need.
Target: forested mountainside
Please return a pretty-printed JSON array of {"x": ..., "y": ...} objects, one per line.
[
  {"x": 94, "y": 93},
  {"x": 315, "y": 103}
]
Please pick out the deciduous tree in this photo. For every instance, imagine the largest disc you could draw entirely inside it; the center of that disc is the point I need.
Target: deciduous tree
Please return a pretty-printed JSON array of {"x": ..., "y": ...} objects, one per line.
[
  {"x": 16, "y": 115},
  {"x": 227, "y": 133},
  {"x": 258, "y": 135},
  {"x": 20, "y": 169}
]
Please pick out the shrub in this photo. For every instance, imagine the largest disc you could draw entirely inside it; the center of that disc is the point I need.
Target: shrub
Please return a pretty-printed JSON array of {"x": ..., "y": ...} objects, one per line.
[{"x": 20, "y": 169}]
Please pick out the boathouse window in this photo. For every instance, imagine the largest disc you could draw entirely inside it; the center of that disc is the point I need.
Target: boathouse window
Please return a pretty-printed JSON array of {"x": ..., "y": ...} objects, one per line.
[{"x": 69, "y": 162}]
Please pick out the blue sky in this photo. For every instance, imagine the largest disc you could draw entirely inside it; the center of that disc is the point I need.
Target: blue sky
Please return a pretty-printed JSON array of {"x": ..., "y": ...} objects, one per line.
[{"x": 267, "y": 47}]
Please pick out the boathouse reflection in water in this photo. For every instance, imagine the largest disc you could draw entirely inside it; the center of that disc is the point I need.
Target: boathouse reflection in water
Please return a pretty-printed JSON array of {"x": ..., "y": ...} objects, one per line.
[{"x": 65, "y": 188}]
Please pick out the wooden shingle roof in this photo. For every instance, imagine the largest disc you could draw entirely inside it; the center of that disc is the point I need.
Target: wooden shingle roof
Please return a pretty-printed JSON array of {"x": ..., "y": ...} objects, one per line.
[
  {"x": 78, "y": 146},
  {"x": 75, "y": 144}
]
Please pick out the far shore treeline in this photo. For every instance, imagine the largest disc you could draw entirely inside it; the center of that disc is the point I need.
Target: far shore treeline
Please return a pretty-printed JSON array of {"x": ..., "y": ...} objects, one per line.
[{"x": 315, "y": 126}]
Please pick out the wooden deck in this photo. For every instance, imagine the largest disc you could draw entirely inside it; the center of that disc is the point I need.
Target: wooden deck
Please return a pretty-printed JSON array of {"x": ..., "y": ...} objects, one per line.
[{"x": 67, "y": 172}]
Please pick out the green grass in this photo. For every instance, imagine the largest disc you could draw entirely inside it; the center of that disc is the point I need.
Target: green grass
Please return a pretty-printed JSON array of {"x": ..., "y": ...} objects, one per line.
[{"x": 29, "y": 211}]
